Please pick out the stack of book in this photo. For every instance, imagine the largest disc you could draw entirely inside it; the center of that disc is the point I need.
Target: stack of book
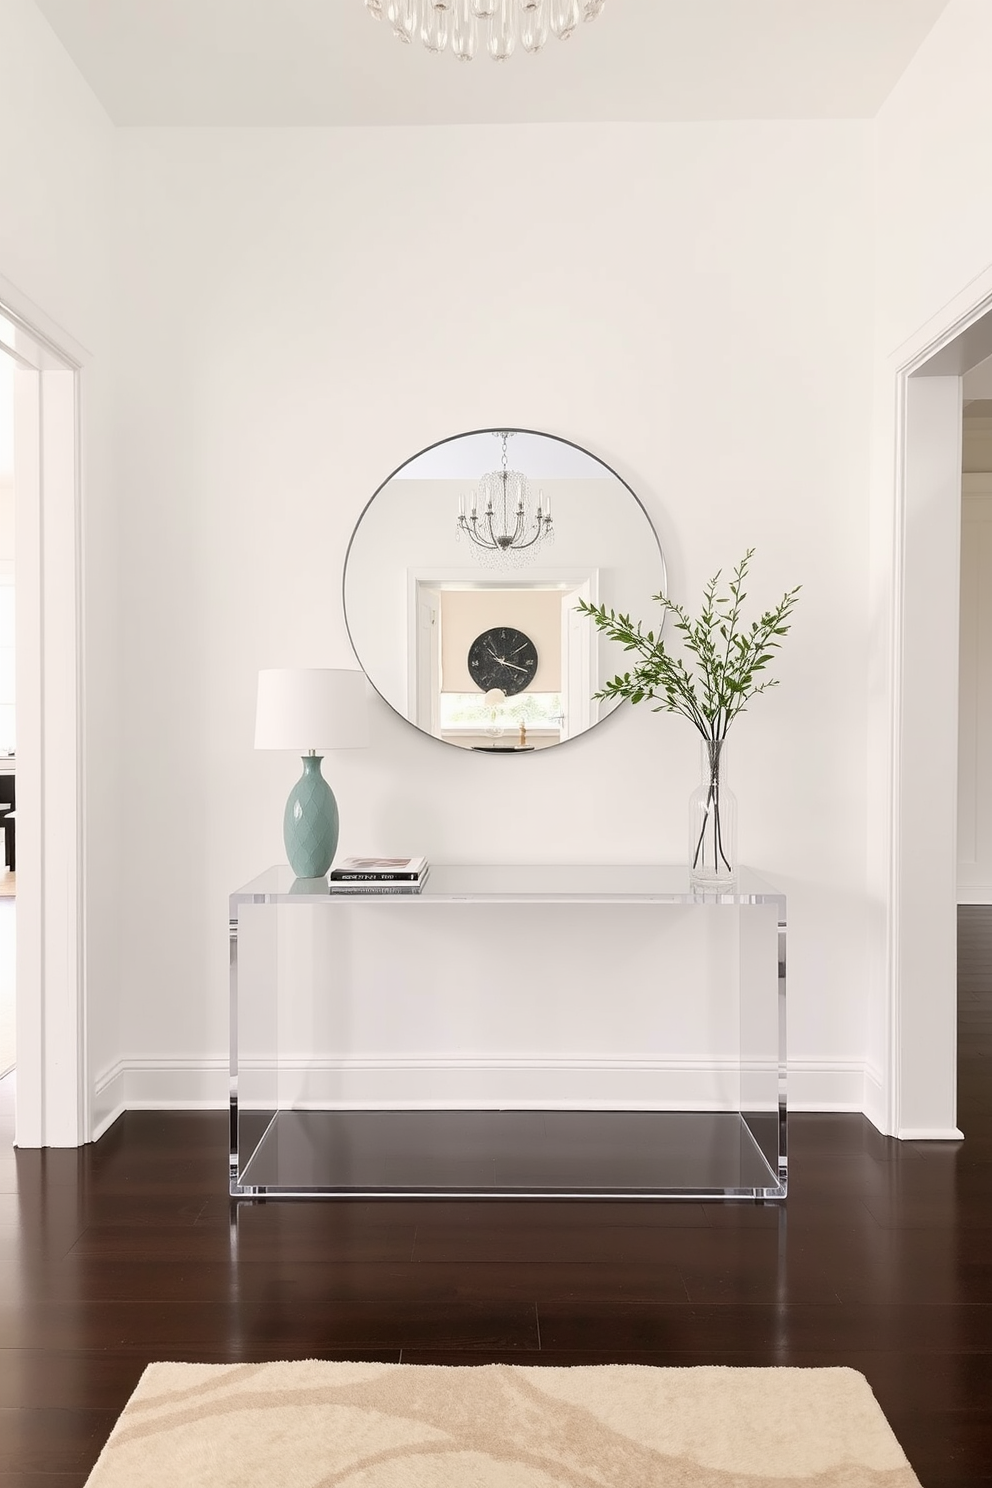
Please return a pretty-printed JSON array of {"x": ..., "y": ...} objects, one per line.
[{"x": 379, "y": 876}]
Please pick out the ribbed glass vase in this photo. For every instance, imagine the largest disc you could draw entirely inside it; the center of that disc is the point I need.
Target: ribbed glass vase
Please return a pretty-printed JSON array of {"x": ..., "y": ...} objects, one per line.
[{"x": 713, "y": 820}]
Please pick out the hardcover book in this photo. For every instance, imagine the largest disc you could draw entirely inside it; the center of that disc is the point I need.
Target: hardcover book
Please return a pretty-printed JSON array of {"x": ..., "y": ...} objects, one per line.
[
  {"x": 379, "y": 870},
  {"x": 396, "y": 888}
]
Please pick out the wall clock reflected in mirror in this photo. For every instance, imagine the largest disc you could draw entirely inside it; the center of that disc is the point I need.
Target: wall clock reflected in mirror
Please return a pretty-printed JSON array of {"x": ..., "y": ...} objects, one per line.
[
  {"x": 462, "y": 577},
  {"x": 504, "y": 658}
]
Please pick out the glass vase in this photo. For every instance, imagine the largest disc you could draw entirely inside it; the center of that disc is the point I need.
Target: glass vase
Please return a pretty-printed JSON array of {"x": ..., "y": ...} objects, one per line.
[{"x": 713, "y": 821}]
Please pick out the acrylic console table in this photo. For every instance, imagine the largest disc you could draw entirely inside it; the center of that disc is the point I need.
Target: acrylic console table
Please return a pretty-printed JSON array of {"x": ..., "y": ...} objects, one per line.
[{"x": 310, "y": 997}]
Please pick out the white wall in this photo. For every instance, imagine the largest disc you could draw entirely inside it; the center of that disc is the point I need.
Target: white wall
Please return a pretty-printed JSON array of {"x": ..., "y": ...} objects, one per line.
[
  {"x": 305, "y": 310},
  {"x": 934, "y": 218},
  {"x": 56, "y": 184},
  {"x": 933, "y": 246}
]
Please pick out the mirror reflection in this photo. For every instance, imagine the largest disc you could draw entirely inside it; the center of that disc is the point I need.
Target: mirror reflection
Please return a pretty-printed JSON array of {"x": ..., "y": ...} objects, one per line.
[{"x": 461, "y": 580}]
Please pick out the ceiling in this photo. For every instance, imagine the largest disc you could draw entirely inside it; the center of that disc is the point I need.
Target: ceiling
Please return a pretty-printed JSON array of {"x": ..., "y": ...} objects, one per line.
[{"x": 326, "y": 62}]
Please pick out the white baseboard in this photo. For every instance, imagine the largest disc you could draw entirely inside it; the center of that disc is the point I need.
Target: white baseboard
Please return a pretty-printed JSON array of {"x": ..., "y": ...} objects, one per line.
[
  {"x": 137, "y": 1084},
  {"x": 975, "y": 894},
  {"x": 875, "y": 1105},
  {"x": 929, "y": 1134},
  {"x": 814, "y": 1085},
  {"x": 188, "y": 1083},
  {"x": 107, "y": 1101},
  {"x": 192, "y": 1084}
]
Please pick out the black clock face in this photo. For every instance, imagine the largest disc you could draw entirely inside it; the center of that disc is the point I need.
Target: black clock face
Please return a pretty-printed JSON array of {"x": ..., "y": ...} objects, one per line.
[{"x": 502, "y": 657}]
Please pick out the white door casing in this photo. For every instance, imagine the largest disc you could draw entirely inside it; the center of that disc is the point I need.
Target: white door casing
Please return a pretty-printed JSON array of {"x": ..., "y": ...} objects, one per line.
[
  {"x": 923, "y": 1069},
  {"x": 52, "y": 1096},
  {"x": 427, "y": 674},
  {"x": 919, "y": 827},
  {"x": 579, "y": 659}
]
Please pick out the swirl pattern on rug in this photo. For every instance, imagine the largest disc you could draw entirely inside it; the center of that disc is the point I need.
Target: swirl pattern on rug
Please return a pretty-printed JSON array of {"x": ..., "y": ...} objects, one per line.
[{"x": 313, "y": 1424}]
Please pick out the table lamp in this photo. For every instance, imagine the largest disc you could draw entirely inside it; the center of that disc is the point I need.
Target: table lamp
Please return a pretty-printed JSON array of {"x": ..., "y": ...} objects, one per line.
[{"x": 310, "y": 709}]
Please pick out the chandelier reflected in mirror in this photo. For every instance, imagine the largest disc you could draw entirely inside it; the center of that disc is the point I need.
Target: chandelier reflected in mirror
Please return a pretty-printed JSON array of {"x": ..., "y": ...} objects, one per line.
[
  {"x": 498, "y": 516},
  {"x": 500, "y": 24}
]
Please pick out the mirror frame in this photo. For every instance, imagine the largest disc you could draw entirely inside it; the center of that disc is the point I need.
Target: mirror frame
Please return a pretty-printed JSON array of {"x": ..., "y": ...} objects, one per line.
[{"x": 450, "y": 439}]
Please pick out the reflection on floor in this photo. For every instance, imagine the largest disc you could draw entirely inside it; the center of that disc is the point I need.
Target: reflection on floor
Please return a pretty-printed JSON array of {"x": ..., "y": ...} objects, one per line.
[{"x": 7, "y": 996}]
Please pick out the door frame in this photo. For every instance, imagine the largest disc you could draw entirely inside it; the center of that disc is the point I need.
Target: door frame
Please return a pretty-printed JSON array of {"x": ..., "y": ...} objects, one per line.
[
  {"x": 52, "y": 1105},
  {"x": 913, "y": 743},
  {"x": 424, "y": 647}
]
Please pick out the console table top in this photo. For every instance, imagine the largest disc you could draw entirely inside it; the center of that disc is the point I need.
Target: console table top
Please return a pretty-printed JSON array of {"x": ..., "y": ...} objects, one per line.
[{"x": 525, "y": 882}]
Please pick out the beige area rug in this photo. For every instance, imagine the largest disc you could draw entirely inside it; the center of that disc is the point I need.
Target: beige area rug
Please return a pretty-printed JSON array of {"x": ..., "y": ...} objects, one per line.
[{"x": 319, "y": 1425}]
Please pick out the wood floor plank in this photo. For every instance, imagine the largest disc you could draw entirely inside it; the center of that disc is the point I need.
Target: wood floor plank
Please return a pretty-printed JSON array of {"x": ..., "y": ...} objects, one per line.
[
  {"x": 103, "y": 1380},
  {"x": 353, "y": 1278},
  {"x": 564, "y": 1244},
  {"x": 785, "y": 1327},
  {"x": 247, "y": 1245},
  {"x": 17, "y": 1479},
  {"x": 946, "y": 1447},
  {"x": 171, "y": 1328},
  {"x": 47, "y": 1439},
  {"x": 64, "y": 1380}
]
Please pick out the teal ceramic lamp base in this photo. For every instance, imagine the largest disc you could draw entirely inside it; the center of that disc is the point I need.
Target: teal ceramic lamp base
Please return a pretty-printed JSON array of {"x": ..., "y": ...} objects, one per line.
[{"x": 310, "y": 825}]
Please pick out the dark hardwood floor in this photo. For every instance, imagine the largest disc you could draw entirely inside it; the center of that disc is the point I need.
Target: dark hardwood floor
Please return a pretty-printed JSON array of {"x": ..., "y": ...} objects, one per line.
[{"x": 129, "y": 1251}]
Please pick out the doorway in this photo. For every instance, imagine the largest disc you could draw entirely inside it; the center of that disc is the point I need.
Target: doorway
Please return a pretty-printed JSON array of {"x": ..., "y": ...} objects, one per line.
[
  {"x": 8, "y": 728},
  {"x": 51, "y": 1096},
  {"x": 921, "y": 870},
  {"x": 974, "y": 847}
]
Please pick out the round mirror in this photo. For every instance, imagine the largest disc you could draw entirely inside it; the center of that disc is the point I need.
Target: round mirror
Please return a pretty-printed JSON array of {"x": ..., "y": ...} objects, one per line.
[{"x": 461, "y": 582}]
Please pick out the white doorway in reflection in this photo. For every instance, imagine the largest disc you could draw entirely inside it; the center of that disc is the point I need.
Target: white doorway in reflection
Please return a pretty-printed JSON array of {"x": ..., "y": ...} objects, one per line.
[{"x": 447, "y": 610}]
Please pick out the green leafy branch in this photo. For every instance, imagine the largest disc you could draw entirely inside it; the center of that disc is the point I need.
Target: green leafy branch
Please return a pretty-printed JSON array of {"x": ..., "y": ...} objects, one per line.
[{"x": 729, "y": 655}]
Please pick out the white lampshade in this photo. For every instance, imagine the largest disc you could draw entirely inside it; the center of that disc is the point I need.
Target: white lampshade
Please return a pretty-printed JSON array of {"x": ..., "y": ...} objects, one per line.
[{"x": 306, "y": 708}]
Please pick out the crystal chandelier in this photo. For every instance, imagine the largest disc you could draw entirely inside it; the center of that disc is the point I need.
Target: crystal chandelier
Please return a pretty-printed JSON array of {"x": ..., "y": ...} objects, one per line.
[
  {"x": 497, "y": 515},
  {"x": 503, "y": 23}
]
